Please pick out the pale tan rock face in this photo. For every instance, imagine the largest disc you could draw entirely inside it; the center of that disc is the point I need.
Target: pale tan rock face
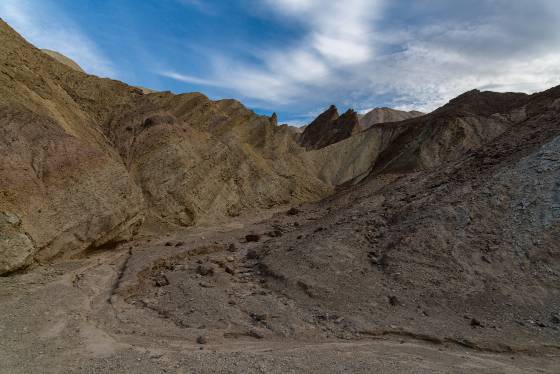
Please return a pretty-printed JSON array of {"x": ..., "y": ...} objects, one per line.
[
  {"x": 84, "y": 159},
  {"x": 199, "y": 161},
  {"x": 69, "y": 195},
  {"x": 383, "y": 115},
  {"x": 16, "y": 248},
  {"x": 59, "y": 175}
]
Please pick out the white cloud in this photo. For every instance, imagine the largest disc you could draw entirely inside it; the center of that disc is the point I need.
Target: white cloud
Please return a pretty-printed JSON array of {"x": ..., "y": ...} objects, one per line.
[
  {"x": 47, "y": 27},
  {"x": 340, "y": 31},
  {"x": 497, "y": 53},
  {"x": 409, "y": 55},
  {"x": 188, "y": 79},
  {"x": 339, "y": 35}
]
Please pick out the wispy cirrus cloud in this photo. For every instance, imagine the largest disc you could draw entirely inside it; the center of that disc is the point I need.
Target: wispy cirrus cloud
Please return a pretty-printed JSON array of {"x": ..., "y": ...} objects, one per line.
[
  {"x": 189, "y": 79},
  {"x": 365, "y": 53},
  {"x": 340, "y": 32},
  {"x": 200, "y": 5},
  {"x": 298, "y": 56},
  {"x": 336, "y": 36},
  {"x": 46, "y": 26}
]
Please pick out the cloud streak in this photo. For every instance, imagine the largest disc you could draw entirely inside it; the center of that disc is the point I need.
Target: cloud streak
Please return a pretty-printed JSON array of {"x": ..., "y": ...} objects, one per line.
[
  {"x": 337, "y": 36},
  {"x": 189, "y": 79},
  {"x": 365, "y": 53}
]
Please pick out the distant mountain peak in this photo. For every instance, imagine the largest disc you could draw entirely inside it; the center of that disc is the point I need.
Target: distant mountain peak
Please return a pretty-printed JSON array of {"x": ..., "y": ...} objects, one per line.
[
  {"x": 385, "y": 114},
  {"x": 330, "y": 127}
]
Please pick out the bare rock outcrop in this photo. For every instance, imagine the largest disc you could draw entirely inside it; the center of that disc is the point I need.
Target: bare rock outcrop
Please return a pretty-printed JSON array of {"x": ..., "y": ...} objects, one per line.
[
  {"x": 462, "y": 126},
  {"x": 198, "y": 161},
  {"x": 329, "y": 128},
  {"x": 472, "y": 244},
  {"x": 16, "y": 247}
]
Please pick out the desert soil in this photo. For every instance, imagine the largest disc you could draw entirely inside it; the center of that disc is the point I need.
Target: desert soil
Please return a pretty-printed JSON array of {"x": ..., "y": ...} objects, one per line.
[{"x": 100, "y": 314}]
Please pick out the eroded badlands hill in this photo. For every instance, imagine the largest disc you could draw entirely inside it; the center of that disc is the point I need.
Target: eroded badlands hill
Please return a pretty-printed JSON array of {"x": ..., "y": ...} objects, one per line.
[
  {"x": 86, "y": 160},
  {"x": 384, "y": 115},
  {"x": 466, "y": 253}
]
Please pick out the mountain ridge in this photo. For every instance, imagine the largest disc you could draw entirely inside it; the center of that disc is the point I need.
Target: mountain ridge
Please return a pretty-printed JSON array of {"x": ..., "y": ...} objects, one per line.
[{"x": 384, "y": 114}]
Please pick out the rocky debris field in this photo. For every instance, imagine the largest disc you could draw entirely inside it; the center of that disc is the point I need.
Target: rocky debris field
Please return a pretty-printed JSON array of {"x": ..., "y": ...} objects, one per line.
[{"x": 200, "y": 300}]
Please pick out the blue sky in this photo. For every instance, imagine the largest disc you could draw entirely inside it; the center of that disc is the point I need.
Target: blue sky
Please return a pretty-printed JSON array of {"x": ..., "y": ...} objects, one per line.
[{"x": 296, "y": 57}]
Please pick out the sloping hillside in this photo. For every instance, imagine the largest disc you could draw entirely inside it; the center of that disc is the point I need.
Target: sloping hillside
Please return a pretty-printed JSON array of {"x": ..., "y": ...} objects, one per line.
[
  {"x": 63, "y": 60},
  {"x": 467, "y": 251},
  {"x": 384, "y": 115},
  {"x": 86, "y": 159}
]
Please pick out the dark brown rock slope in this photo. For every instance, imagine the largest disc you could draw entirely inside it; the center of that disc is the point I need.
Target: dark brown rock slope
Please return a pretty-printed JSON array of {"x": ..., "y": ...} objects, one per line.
[
  {"x": 468, "y": 251},
  {"x": 63, "y": 188},
  {"x": 329, "y": 128}
]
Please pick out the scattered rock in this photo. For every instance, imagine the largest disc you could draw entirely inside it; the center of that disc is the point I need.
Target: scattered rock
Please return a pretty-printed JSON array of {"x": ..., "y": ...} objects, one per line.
[
  {"x": 205, "y": 270},
  {"x": 168, "y": 244},
  {"x": 252, "y": 238},
  {"x": 230, "y": 259},
  {"x": 555, "y": 319},
  {"x": 159, "y": 119},
  {"x": 232, "y": 247},
  {"x": 161, "y": 280},
  {"x": 258, "y": 317},
  {"x": 255, "y": 334},
  {"x": 293, "y": 211},
  {"x": 201, "y": 340},
  {"x": 220, "y": 263},
  {"x": 252, "y": 254},
  {"x": 475, "y": 323},
  {"x": 394, "y": 301},
  {"x": 229, "y": 270},
  {"x": 179, "y": 244},
  {"x": 274, "y": 234},
  {"x": 374, "y": 258}
]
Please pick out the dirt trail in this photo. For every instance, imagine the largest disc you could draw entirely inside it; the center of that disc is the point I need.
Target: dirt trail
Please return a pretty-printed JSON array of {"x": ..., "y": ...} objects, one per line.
[{"x": 79, "y": 316}]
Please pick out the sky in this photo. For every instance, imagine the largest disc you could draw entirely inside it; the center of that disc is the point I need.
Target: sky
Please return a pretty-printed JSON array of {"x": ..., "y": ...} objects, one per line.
[{"x": 297, "y": 57}]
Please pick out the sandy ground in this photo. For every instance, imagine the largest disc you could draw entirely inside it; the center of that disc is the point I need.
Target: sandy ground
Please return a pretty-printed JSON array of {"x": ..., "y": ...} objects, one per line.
[{"x": 69, "y": 317}]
